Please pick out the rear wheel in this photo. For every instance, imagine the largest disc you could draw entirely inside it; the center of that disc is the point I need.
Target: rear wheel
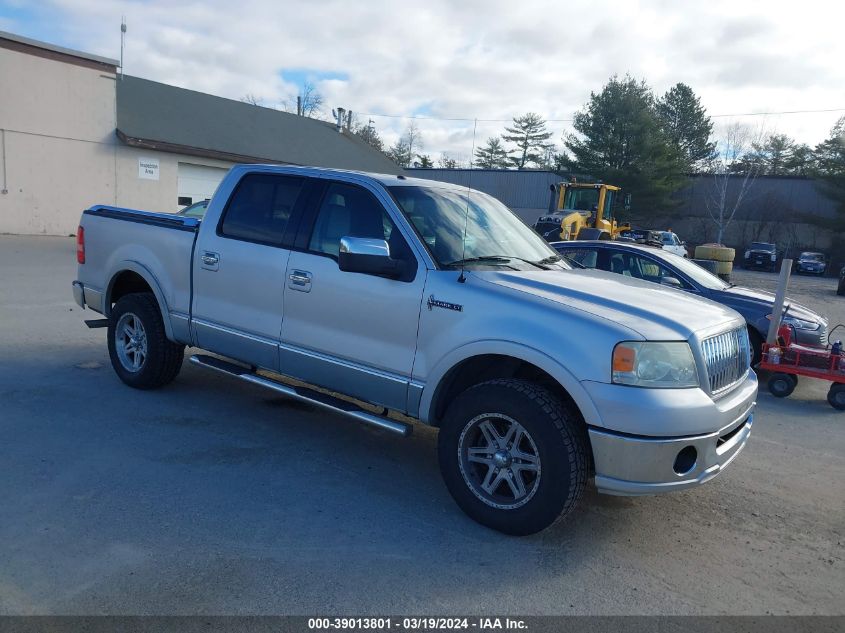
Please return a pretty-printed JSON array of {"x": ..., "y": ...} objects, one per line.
[
  {"x": 512, "y": 456},
  {"x": 781, "y": 385},
  {"x": 836, "y": 396},
  {"x": 140, "y": 352}
]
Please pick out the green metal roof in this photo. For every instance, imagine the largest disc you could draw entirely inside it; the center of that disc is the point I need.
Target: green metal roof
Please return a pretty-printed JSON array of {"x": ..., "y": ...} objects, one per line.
[{"x": 159, "y": 116}]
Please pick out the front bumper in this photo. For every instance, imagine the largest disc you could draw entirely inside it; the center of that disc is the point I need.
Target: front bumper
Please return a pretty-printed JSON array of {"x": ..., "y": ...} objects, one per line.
[
  {"x": 636, "y": 464},
  {"x": 816, "y": 270},
  {"x": 811, "y": 338},
  {"x": 760, "y": 262}
]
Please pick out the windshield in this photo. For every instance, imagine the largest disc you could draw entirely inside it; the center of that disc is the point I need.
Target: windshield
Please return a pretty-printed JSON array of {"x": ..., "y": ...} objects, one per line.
[
  {"x": 695, "y": 272},
  {"x": 577, "y": 199},
  {"x": 762, "y": 246},
  {"x": 494, "y": 235},
  {"x": 813, "y": 257}
]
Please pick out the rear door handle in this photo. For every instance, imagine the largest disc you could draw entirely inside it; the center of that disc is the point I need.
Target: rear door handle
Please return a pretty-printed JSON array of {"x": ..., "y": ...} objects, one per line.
[
  {"x": 210, "y": 261},
  {"x": 299, "y": 280}
]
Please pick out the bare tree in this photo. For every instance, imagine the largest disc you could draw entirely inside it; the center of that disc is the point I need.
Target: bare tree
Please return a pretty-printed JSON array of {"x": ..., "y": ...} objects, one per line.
[
  {"x": 413, "y": 137},
  {"x": 252, "y": 99},
  {"x": 309, "y": 102},
  {"x": 731, "y": 185}
]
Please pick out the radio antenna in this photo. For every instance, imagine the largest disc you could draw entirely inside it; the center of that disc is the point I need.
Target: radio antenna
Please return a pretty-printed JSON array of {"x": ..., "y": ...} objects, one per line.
[
  {"x": 122, "y": 38},
  {"x": 462, "y": 278}
]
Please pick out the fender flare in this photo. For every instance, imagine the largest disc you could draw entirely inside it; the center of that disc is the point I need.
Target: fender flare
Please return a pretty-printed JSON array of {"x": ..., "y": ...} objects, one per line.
[
  {"x": 152, "y": 282},
  {"x": 515, "y": 350}
]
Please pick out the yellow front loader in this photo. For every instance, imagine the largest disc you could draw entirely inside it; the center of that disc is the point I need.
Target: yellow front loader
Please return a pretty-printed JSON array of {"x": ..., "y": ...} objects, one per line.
[{"x": 582, "y": 211}]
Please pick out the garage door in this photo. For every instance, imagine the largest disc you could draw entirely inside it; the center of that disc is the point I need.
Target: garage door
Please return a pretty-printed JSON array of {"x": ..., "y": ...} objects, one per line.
[{"x": 197, "y": 182}]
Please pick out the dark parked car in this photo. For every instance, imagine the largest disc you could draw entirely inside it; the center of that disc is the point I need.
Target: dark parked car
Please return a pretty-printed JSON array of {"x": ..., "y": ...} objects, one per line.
[
  {"x": 761, "y": 255},
  {"x": 196, "y": 210},
  {"x": 659, "y": 266},
  {"x": 840, "y": 290},
  {"x": 644, "y": 236},
  {"x": 811, "y": 263}
]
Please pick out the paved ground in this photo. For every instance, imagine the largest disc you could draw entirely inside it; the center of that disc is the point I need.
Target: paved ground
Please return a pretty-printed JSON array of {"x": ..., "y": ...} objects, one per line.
[{"x": 215, "y": 497}]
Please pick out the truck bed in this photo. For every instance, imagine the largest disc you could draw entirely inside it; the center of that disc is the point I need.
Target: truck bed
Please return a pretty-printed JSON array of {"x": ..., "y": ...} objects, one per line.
[{"x": 159, "y": 243}]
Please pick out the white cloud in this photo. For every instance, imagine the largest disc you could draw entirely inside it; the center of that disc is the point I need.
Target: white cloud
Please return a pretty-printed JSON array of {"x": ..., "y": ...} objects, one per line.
[{"x": 487, "y": 59}]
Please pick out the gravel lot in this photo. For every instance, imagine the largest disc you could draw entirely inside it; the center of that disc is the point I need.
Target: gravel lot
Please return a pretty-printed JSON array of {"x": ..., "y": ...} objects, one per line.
[{"x": 212, "y": 496}]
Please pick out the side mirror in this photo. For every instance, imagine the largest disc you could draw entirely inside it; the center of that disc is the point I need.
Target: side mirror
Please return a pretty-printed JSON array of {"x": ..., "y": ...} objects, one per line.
[
  {"x": 672, "y": 282},
  {"x": 369, "y": 256}
]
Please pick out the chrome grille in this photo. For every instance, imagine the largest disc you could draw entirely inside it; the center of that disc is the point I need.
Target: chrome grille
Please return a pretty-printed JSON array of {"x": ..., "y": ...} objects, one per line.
[{"x": 727, "y": 357}]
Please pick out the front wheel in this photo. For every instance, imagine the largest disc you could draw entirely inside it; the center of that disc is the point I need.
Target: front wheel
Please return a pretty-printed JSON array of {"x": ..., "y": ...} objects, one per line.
[
  {"x": 140, "y": 352},
  {"x": 781, "y": 385},
  {"x": 836, "y": 396},
  {"x": 512, "y": 456}
]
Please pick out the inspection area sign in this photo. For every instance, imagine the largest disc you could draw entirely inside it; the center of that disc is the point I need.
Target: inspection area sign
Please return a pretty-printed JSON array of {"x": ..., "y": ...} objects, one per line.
[{"x": 148, "y": 168}]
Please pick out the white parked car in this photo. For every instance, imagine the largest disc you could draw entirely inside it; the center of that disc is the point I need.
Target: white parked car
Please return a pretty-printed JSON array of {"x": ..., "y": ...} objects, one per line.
[{"x": 673, "y": 243}]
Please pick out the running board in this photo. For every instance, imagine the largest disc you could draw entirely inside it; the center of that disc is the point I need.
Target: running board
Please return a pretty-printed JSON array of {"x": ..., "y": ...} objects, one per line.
[
  {"x": 95, "y": 323},
  {"x": 302, "y": 394}
]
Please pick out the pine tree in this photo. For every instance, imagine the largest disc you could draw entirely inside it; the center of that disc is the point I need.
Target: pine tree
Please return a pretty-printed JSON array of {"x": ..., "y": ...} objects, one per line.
[
  {"x": 529, "y": 135},
  {"x": 830, "y": 166},
  {"x": 687, "y": 125},
  {"x": 370, "y": 136},
  {"x": 774, "y": 154},
  {"x": 493, "y": 155},
  {"x": 621, "y": 141}
]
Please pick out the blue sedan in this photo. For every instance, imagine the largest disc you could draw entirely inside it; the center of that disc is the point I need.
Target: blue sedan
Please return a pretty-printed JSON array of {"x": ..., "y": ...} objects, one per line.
[{"x": 659, "y": 266}]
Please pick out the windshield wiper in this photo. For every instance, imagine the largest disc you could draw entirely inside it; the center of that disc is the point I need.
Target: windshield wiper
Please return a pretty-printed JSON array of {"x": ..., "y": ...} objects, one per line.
[
  {"x": 504, "y": 259},
  {"x": 491, "y": 259}
]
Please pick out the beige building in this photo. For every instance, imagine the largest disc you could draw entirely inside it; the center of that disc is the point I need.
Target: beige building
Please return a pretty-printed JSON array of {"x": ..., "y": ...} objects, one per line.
[{"x": 74, "y": 133}]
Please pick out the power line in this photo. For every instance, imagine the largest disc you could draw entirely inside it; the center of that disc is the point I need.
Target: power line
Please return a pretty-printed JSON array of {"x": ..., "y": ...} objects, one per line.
[
  {"x": 471, "y": 119},
  {"x": 782, "y": 112}
]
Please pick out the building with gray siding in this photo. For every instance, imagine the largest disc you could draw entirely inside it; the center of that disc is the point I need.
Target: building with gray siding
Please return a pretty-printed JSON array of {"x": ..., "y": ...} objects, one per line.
[{"x": 525, "y": 191}]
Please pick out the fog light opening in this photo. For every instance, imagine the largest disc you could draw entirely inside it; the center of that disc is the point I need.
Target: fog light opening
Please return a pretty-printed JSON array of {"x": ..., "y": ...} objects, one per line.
[{"x": 685, "y": 461}]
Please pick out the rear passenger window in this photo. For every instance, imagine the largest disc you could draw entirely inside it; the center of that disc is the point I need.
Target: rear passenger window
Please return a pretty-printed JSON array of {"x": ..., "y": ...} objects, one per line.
[{"x": 261, "y": 207}]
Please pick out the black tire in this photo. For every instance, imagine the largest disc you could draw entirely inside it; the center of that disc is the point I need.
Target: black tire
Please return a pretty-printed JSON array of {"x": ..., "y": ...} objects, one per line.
[
  {"x": 755, "y": 339},
  {"x": 836, "y": 396},
  {"x": 161, "y": 359},
  {"x": 781, "y": 385},
  {"x": 554, "y": 434},
  {"x": 840, "y": 289}
]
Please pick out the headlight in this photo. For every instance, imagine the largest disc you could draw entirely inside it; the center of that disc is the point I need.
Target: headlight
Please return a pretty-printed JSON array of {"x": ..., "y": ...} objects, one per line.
[
  {"x": 747, "y": 254},
  {"x": 774, "y": 257},
  {"x": 652, "y": 364},
  {"x": 798, "y": 324}
]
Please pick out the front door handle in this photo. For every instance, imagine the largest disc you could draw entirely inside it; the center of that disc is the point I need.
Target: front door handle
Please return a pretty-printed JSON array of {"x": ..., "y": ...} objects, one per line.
[
  {"x": 300, "y": 280},
  {"x": 210, "y": 260}
]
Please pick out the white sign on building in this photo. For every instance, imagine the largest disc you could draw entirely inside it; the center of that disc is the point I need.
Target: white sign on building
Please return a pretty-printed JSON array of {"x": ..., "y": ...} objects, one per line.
[{"x": 148, "y": 168}]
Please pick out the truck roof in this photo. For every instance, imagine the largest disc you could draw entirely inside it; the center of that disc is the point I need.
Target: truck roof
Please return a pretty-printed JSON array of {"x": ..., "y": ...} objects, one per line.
[{"x": 388, "y": 180}]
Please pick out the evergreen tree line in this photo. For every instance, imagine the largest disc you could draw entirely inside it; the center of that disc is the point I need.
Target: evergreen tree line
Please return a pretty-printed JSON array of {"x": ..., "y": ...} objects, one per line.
[{"x": 647, "y": 144}]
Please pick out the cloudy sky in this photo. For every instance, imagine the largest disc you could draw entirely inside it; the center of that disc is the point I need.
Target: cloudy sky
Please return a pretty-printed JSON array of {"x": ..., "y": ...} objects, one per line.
[{"x": 440, "y": 60}]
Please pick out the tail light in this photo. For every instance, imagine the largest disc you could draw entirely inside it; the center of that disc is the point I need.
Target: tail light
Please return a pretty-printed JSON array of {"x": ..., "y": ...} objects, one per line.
[{"x": 80, "y": 245}]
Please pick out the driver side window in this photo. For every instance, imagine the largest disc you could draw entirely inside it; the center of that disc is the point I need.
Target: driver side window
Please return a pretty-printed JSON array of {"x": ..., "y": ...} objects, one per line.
[{"x": 350, "y": 211}]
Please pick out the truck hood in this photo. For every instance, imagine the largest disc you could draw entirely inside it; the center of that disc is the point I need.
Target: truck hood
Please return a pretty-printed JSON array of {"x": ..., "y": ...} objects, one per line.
[{"x": 654, "y": 312}]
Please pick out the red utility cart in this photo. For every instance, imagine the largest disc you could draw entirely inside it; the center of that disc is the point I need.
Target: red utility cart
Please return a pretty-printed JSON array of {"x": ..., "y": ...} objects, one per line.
[{"x": 787, "y": 361}]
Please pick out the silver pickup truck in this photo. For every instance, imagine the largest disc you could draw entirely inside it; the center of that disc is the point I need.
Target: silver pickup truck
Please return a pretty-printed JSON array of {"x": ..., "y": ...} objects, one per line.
[{"x": 391, "y": 295}]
